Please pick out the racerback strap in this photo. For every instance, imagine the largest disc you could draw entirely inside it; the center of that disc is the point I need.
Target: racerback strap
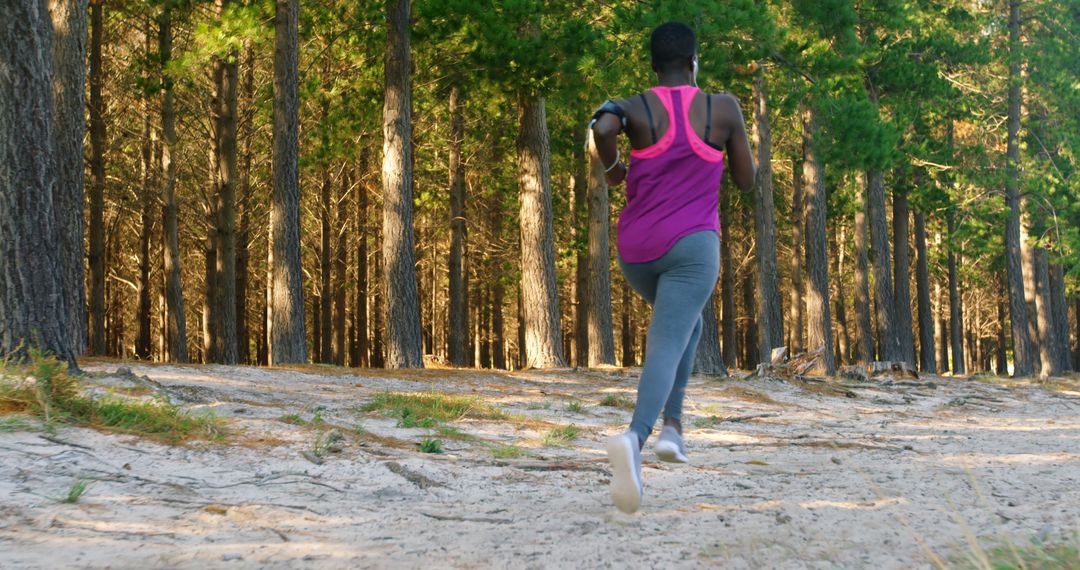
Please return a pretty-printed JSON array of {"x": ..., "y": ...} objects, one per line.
[{"x": 648, "y": 113}]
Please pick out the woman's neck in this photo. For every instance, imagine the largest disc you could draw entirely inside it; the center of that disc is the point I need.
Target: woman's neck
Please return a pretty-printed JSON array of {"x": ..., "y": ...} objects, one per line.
[{"x": 674, "y": 79}]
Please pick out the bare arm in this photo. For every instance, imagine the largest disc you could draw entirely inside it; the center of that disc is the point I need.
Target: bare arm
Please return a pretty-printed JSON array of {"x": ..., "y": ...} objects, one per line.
[
  {"x": 740, "y": 160},
  {"x": 605, "y": 133}
]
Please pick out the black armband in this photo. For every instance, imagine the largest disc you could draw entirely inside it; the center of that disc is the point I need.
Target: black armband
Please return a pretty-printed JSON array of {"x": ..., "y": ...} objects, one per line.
[{"x": 609, "y": 106}]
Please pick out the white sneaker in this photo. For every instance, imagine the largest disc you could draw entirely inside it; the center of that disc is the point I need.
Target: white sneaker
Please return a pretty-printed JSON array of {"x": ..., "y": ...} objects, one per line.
[
  {"x": 625, "y": 458},
  {"x": 669, "y": 446}
]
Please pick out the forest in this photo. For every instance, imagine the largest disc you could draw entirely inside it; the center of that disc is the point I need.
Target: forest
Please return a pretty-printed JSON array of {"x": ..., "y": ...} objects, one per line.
[{"x": 394, "y": 184}]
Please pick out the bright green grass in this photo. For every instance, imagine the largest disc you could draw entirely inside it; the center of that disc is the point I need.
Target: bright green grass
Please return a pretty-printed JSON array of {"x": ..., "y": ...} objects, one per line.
[
  {"x": 561, "y": 436},
  {"x": 416, "y": 407}
]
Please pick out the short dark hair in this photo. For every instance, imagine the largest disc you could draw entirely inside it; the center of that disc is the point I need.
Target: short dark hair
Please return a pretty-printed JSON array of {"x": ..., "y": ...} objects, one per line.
[{"x": 672, "y": 43}]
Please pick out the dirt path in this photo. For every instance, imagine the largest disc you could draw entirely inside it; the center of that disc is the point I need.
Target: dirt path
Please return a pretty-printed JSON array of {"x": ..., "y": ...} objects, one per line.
[{"x": 782, "y": 476}]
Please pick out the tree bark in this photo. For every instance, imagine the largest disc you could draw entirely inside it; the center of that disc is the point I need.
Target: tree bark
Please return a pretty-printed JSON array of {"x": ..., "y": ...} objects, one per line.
[
  {"x": 404, "y": 344},
  {"x": 885, "y": 313},
  {"x": 956, "y": 331},
  {"x": 727, "y": 280},
  {"x": 96, "y": 255},
  {"x": 362, "y": 281},
  {"x": 1002, "y": 365},
  {"x": 243, "y": 235},
  {"x": 843, "y": 341},
  {"x": 223, "y": 307},
  {"x": 708, "y": 359},
  {"x": 174, "y": 292},
  {"x": 601, "y": 341},
  {"x": 146, "y": 226},
  {"x": 864, "y": 325},
  {"x": 817, "y": 255},
  {"x": 798, "y": 258},
  {"x": 340, "y": 267},
  {"x": 543, "y": 343},
  {"x": 905, "y": 329},
  {"x": 627, "y": 335},
  {"x": 1050, "y": 363},
  {"x": 459, "y": 304},
  {"x": 770, "y": 310},
  {"x": 750, "y": 340},
  {"x": 579, "y": 235},
  {"x": 326, "y": 294},
  {"x": 69, "y": 76},
  {"x": 1023, "y": 351},
  {"x": 1059, "y": 310},
  {"x": 32, "y": 302},
  {"x": 927, "y": 362},
  {"x": 287, "y": 339}
]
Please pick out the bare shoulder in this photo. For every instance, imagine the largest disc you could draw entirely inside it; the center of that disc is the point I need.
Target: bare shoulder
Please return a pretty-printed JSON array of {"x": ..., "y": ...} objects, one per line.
[{"x": 728, "y": 107}]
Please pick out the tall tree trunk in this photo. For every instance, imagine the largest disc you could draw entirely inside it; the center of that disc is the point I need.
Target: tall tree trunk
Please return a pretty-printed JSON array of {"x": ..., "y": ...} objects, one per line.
[
  {"x": 543, "y": 345},
  {"x": 956, "y": 331},
  {"x": 927, "y": 362},
  {"x": 362, "y": 282},
  {"x": 770, "y": 310},
  {"x": 627, "y": 332},
  {"x": 459, "y": 304},
  {"x": 843, "y": 341},
  {"x": 69, "y": 127},
  {"x": 326, "y": 294},
  {"x": 223, "y": 308},
  {"x": 798, "y": 258},
  {"x": 1002, "y": 366},
  {"x": 905, "y": 329},
  {"x": 243, "y": 235},
  {"x": 96, "y": 255},
  {"x": 32, "y": 301},
  {"x": 1050, "y": 363},
  {"x": 727, "y": 280},
  {"x": 1027, "y": 261},
  {"x": 708, "y": 359},
  {"x": 888, "y": 343},
  {"x": 1059, "y": 310},
  {"x": 340, "y": 265},
  {"x": 579, "y": 232},
  {"x": 399, "y": 272},
  {"x": 865, "y": 327},
  {"x": 287, "y": 339},
  {"x": 1023, "y": 351},
  {"x": 817, "y": 255},
  {"x": 146, "y": 226},
  {"x": 498, "y": 329},
  {"x": 601, "y": 341},
  {"x": 174, "y": 292},
  {"x": 750, "y": 341},
  {"x": 378, "y": 332}
]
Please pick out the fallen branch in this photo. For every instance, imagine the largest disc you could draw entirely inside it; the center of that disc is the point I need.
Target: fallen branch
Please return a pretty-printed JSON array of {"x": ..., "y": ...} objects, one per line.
[
  {"x": 466, "y": 519},
  {"x": 412, "y": 476}
]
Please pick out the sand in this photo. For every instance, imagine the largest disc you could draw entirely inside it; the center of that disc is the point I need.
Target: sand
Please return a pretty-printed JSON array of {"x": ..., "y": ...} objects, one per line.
[{"x": 782, "y": 475}]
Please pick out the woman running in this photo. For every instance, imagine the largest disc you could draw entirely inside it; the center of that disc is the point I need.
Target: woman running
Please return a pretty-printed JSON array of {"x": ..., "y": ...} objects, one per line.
[{"x": 668, "y": 242}]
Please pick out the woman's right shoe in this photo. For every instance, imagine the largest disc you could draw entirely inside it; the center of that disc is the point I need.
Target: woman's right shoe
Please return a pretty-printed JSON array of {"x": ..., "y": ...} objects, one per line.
[
  {"x": 624, "y": 454},
  {"x": 669, "y": 446}
]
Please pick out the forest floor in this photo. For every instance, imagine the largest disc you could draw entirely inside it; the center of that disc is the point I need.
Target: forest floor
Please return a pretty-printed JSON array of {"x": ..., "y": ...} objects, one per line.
[{"x": 783, "y": 474}]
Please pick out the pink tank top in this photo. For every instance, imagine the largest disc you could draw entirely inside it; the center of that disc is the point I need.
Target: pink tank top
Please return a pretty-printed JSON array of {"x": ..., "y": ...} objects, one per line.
[{"x": 673, "y": 186}]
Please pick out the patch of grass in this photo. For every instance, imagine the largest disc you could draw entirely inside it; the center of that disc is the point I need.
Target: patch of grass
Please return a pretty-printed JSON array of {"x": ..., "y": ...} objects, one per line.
[
  {"x": 575, "y": 407},
  {"x": 327, "y": 442},
  {"x": 506, "y": 451},
  {"x": 704, "y": 422},
  {"x": 620, "y": 402},
  {"x": 453, "y": 433},
  {"x": 561, "y": 436},
  {"x": 431, "y": 446},
  {"x": 1024, "y": 557},
  {"x": 14, "y": 423},
  {"x": 42, "y": 388},
  {"x": 414, "y": 409},
  {"x": 538, "y": 406},
  {"x": 75, "y": 492},
  {"x": 359, "y": 429},
  {"x": 293, "y": 419},
  {"x": 317, "y": 418}
]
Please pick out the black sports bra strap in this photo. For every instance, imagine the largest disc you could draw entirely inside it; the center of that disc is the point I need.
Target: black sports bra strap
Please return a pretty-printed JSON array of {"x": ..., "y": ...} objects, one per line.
[
  {"x": 708, "y": 117},
  {"x": 648, "y": 113}
]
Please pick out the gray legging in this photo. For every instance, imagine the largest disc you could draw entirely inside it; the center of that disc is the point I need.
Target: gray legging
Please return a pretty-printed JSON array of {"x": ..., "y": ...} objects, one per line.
[{"x": 677, "y": 286}]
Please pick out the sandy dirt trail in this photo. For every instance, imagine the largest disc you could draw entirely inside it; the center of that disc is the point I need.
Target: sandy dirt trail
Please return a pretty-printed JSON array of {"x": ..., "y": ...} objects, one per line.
[{"x": 783, "y": 475}]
